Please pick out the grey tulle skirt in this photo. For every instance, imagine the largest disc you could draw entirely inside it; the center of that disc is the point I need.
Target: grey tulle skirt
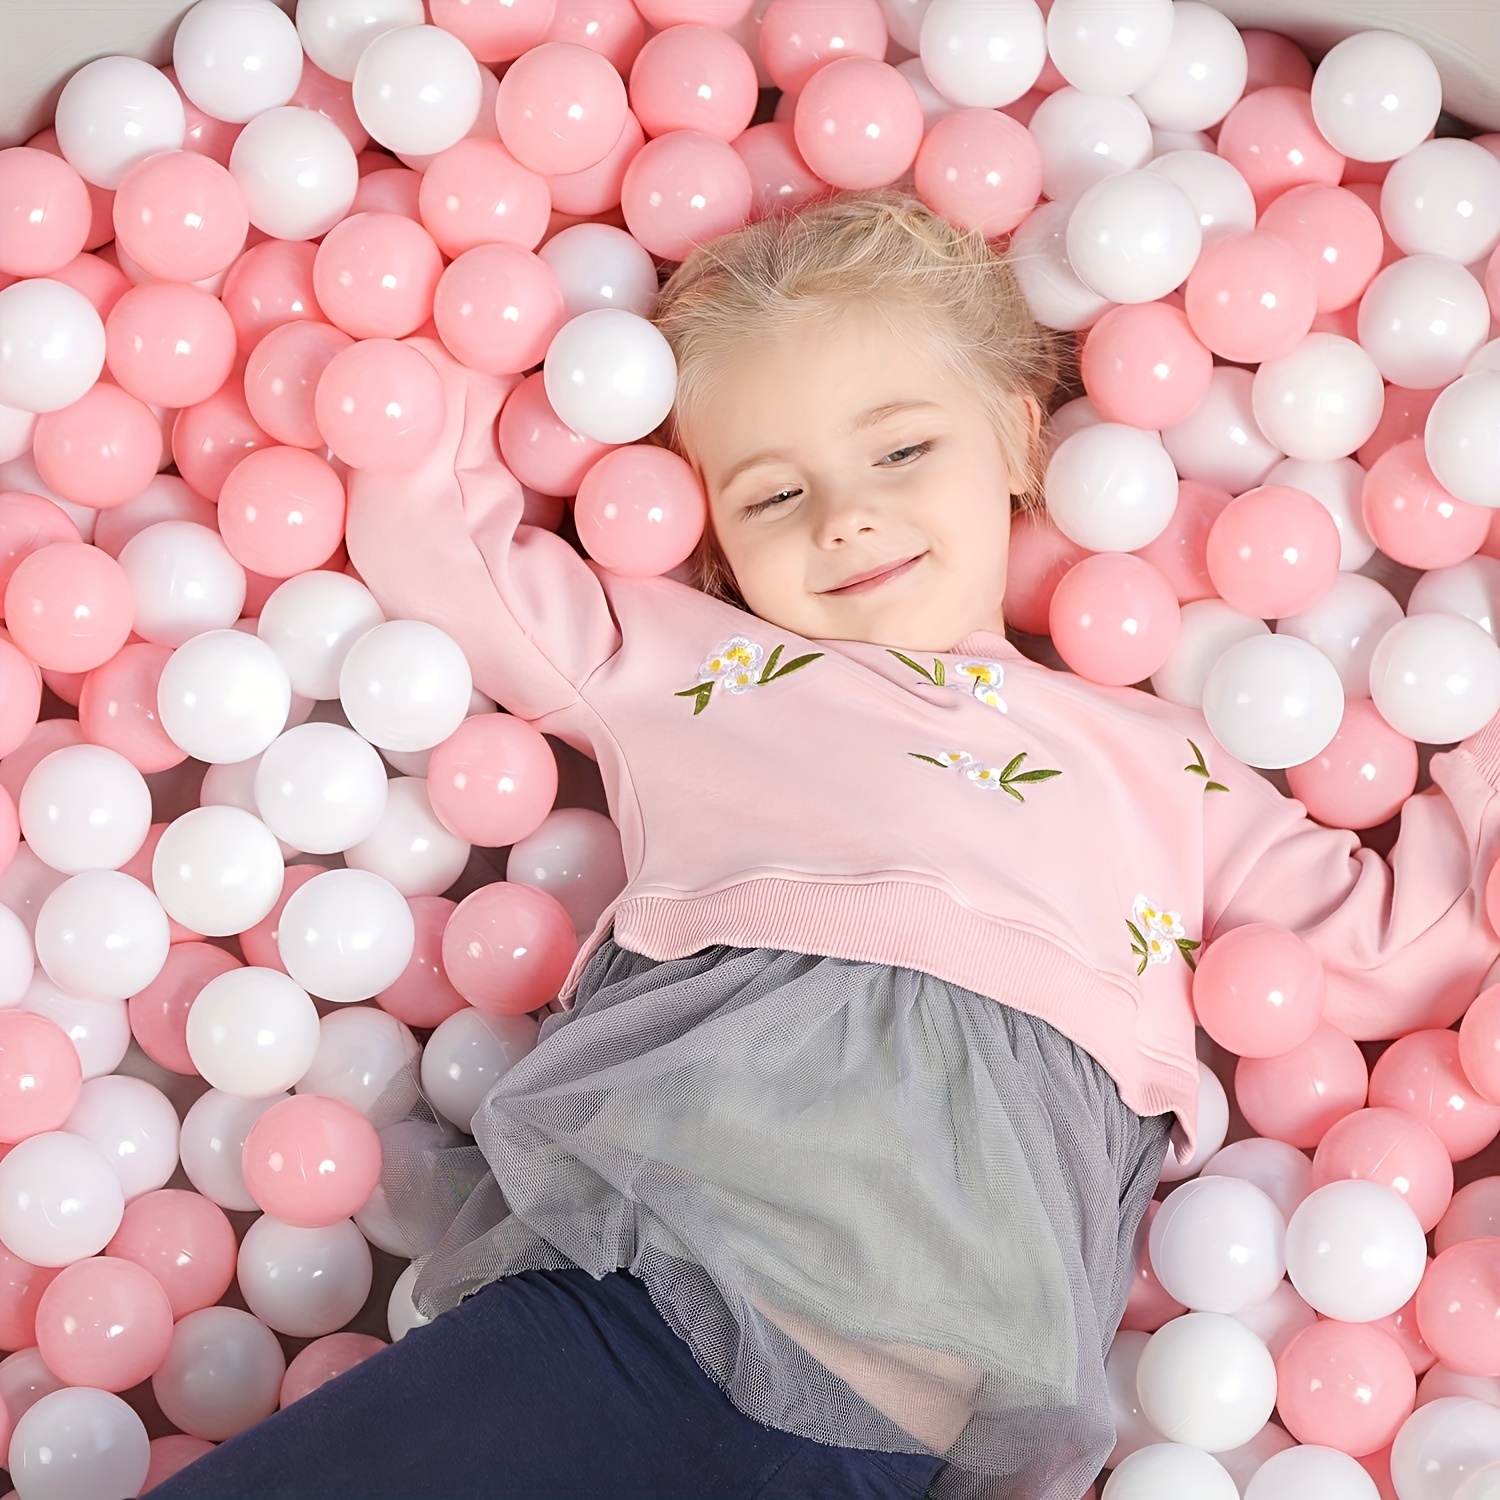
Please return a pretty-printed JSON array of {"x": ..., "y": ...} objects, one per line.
[{"x": 882, "y": 1210}]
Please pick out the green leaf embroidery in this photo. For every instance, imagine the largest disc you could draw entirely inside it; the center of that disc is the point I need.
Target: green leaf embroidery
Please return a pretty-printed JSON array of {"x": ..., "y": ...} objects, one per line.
[
  {"x": 702, "y": 692},
  {"x": 1200, "y": 768},
  {"x": 797, "y": 661},
  {"x": 1006, "y": 779},
  {"x": 1185, "y": 946},
  {"x": 1142, "y": 949},
  {"x": 937, "y": 677}
]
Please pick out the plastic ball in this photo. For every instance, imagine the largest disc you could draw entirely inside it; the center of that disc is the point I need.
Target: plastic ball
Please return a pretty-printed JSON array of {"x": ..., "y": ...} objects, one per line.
[
  {"x": 44, "y": 212},
  {"x": 1111, "y": 487},
  {"x": 858, "y": 123},
  {"x": 360, "y": 1051},
  {"x": 981, "y": 56},
  {"x": 610, "y": 375},
  {"x": 51, "y": 345},
  {"x": 1345, "y": 1386},
  {"x": 334, "y": 33},
  {"x": 416, "y": 89},
  {"x": 77, "y": 1442},
  {"x": 1458, "y": 1307},
  {"x": 1213, "y": 1126},
  {"x": 1133, "y": 237},
  {"x": 1311, "y": 1472},
  {"x": 1251, "y": 297},
  {"x": 222, "y": 1373},
  {"x": 101, "y": 451},
  {"x": 1109, "y": 52},
  {"x": 323, "y": 1360},
  {"x": 60, "y": 1200},
  {"x": 1258, "y": 990},
  {"x": 184, "y": 580},
  {"x": 1362, "y": 776},
  {"x": 1443, "y": 1444},
  {"x": 217, "y": 870},
  {"x": 101, "y": 935},
  {"x": 1216, "y": 189},
  {"x": 1376, "y": 95},
  {"x": 1273, "y": 551},
  {"x": 498, "y": 307},
  {"x": 297, "y": 171},
  {"x": 1085, "y": 138},
  {"x": 1443, "y": 198},
  {"x": 1143, "y": 365},
  {"x": 1421, "y": 320},
  {"x": 466, "y": 1055},
  {"x": 1201, "y": 75},
  {"x": 84, "y": 808},
  {"x": 1462, "y": 438},
  {"x": 379, "y": 405},
  {"x": 1355, "y": 1250},
  {"x": 304, "y": 1282},
  {"x": 40, "y": 1075},
  {"x": 1114, "y": 618},
  {"x": 321, "y": 788},
  {"x": 1220, "y": 442},
  {"x": 114, "y": 112},
  {"x": 405, "y": 685},
  {"x": 1273, "y": 701},
  {"x": 346, "y": 935},
  {"x": 1170, "y": 1471},
  {"x": 1322, "y": 400},
  {"x": 1436, "y": 678},
  {"x": 561, "y": 106},
  {"x": 1422, "y": 1074},
  {"x": 1205, "y": 1379},
  {"x": 224, "y": 696},
  {"x": 252, "y": 1033},
  {"x": 1209, "y": 627},
  {"x": 311, "y": 1161},
  {"x": 1479, "y": 1044},
  {"x": 1218, "y": 1244},
  {"x": 104, "y": 1323}
]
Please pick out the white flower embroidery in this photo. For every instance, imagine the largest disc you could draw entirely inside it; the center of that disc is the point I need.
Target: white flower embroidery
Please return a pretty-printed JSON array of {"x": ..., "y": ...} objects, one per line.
[
  {"x": 984, "y": 679},
  {"x": 1157, "y": 933},
  {"x": 991, "y": 778},
  {"x": 733, "y": 666}
]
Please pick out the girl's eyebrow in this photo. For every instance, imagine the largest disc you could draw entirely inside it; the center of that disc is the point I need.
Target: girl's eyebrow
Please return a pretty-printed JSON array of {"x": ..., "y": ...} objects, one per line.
[{"x": 859, "y": 424}]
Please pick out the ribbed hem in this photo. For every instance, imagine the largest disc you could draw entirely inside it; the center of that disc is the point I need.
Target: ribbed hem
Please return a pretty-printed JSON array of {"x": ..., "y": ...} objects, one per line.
[{"x": 910, "y": 925}]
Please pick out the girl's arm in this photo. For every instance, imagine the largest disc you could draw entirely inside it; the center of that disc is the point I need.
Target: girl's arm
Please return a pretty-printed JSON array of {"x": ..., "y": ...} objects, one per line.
[
  {"x": 1404, "y": 943},
  {"x": 445, "y": 545}
]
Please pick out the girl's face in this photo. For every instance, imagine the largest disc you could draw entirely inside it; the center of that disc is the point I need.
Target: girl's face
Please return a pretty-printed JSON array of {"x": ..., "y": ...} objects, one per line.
[{"x": 844, "y": 450}]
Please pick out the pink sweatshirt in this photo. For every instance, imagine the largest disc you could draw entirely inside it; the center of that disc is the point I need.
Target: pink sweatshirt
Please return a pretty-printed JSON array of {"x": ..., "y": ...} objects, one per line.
[{"x": 1016, "y": 830}]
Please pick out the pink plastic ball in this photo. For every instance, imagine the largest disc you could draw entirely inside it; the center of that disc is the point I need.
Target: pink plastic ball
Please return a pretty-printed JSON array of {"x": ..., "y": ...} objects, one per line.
[
  {"x": 1362, "y": 776},
  {"x": 1038, "y": 557},
  {"x": 477, "y": 193},
  {"x": 158, "y": 1013},
  {"x": 683, "y": 188},
  {"x": 597, "y": 189},
  {"x": 493, "y": 781},
  {"x": 45, "y": 212},
  {"x": 332, "y": 98},
  {"x": 1337, "y": 232},
  {"x": 210, "y": 438},
  {"x": 1347, "y": 1386},
  {"x": 1402, "y": 1326},
  {"x": 180, "y": 216},
  {"x": 311, "y": 1161},
  {"x": 1479, "y": 1044},
  {"x": 101, "y": 200},
  {"x": 1114, "y": 619},
  {"x": 858, "y": 123},
  {"x": 169, "y": 343},
  {"x": 1259, "y": 990},
  {"x": 422, "y": 995},
  {"x": 692, "y": 77},
  {"x": 1143, "y": 364},
  {"x": 1273, "y": 551},
  {"x": 640, "y": 511},
  {"x": 1180, "y": 551},
  {"x": 1412, "y": 518},
  {"x": 270, "y": 284},
  {"x": 28, "y": 522},
  {"x": 1297, "y": 1096},
  {"x": 281, "y": 512},
  {"x": 538, "y": 447},
  {"x": 1422, "y": 1074},
  {"x": 1458, "y": 1307},
  {"x": 1473, "y": 1214},
  {"x": 616, "y": 29},
  {"x": 260, "y": 944},
  {"x": 560, "y": 108},
  {"x": 117, "y": 708},
  {"x": 40, "y": 1075},
  {"x": 663, "y": 13},
  {"x": 69, "y": 607},
  {"x": 1403, "y": 416},
  {"x": 498, "y": 308},
  {"x": 1392, "y": 1148},
  {"x": 171, "y": 1454},
  {"x": 508, "y": 947},
  {"x": 323, "y": 1359},
  {"x": 980, "y": 169},
  {"x": 379, "y": 405},
  {"x": 1275, "y": 59},
  {"x": 99, "y": 281},
  {"x": 396, "y": 190},
  {"x": 102, "y": 450},
  {"x": 281, "y": 377},
  {"x": 1272, "y": 138},
  {"x": 375, "y": 274},
  {"x": 1251, "y": 297},
  {"x": 21, "y": 1288},
  {"x": 798, "y": 37},
  {"x": 105, "y": 1323},
  {"x": 495, "y": 33}
]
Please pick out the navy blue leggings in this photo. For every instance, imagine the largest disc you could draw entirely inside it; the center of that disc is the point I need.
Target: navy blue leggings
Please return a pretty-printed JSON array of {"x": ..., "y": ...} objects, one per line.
[{"x": 545, "y": 1383}]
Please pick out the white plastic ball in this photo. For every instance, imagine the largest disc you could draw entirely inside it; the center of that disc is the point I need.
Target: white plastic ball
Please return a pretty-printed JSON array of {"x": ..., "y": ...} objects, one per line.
[
  {"x": 1337, "y": 484},
  {"x": 1111, "y": 488},
  {"x": 417, "y": 89},
  {"x": 184, "y": 581},
  {"x": 1209, "y": 628},
  {"x": 1376, "y": 96},
  {"x": 25, "y": 883},
  {"x": 304, "y": 1282},
  {"x": 610, "y": 375},
  {"x": 346, "y": 935},
  {"x": 222, "y": 1373},
  {"x": 115, "y": 112},
  {"x": 1421, "y": 320},
  {"x": 1213, "y": 1126},
  {"x": 79, "y": 1443},
  {"x": 51, "y": 345},
  {"x": 84, "y": 807},
  {"x": 401, "y": 1314},
  {"x": 1170, "y": 1471},
  {"x": 1273, "y": 701},
  {"x": 1110, "y": 49},
  {"x": 212, "y": 1145},
  {"x": 1203, "y": 74},
  {"x": 236, "y": 59},
  {"x": 405, "y": 685},
  {"x": 1470, "y": 588},
  {"x": 1216, "y": 188},
  {"x": 467, "y": 1054},
  {"x": 1132, "y": 1429},
  {"x": 408, "y": 846},
  {"x": 335, "y": 33},
  {"x": 597, "y": 265},
  {"x": 1218, "y": 1244},
  {"x": 1462, "y": 438},
  {"x": 360, "y": 1050},
  {"x": 1321, "y": 401},
  {"x": 217, "y": 870},
  {"x": 1221, "y": 442},
  {"x": 321, "y": 788},
  {"x": 17, "y": 958},
  {"x": 1443, "y": 198},
  {"x": 982, "y": 53},
  {"x": 60, "y": 1200},
  {"x": 1279, "y": 1319},
  {"x": 297, "y": 171},
  {"x": 16, "y": 430},
  {"x": 311, "y": 621},
  {"x": 1346, "y": 625},
  {"x": 574, "y": 854},
  {"x": 98, "y": 1029},
  {"x": 134, "y": 1125},
  {"x": 1441, "y": 1445},
  {"x": 1205, "y": 1379},
  {"x": 252, "y": 1032},
  {"x": 1355, "y": 1251},
  {"x": 223, "y": 696},
  {"x": 102, "y": 935},
  {"x": 1244, "y": 1462},
  {"x": 1134, "y": 237},
  {"x": 1436, "y": 678},
  {"x": 1085, "y": 138},
  {"x": 1039, "y": 257},
  {"x": 1311, "y": 1472}
]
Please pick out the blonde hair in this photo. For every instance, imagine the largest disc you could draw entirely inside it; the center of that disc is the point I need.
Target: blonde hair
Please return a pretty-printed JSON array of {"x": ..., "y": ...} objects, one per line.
[{"x": 881, "y": 249}]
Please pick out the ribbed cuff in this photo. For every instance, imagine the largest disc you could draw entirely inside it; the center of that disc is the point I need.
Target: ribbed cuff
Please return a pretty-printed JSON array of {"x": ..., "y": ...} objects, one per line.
[{"x": 1484, "y": 749}]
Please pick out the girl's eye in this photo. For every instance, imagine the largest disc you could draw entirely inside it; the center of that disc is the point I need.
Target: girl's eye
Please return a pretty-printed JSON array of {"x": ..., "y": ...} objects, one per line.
[{"x": 776, "y": 499}]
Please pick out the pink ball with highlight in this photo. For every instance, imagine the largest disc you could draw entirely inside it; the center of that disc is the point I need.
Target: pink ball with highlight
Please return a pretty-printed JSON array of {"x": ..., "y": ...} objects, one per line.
[
  {"x": 1337, "y": 232},
  {"x": 1143, "y": 364},
  {"x": 1412, "y": 518},
  {"x": 181, "y": 216},
  {"x": 1180, "y": 552},
  {"x": 422, "y": 995},
  {"x": 560, "y": 108},
  {"x": 281, "y": 512},
  {"x": 1299, "y": 1095},
  {"x": 117, "y": 707},
  {"x": 477, "y": 193},
  {"x": 1272, "y": 138},
  {"x": 69, "y": 607},
  {"x": 1114, "y": 619},
  {"x": 1347, "y": 1386},
  {"x": 374, "y": 275},
  {"x": 40, "y": 1075},
  {"x": 1273, "y": 551},
  {"x": 538, "y": 448},
  {"x": 798, "y": 37},
  {"x": 1392, "y": 1148},
  {"x": 311, "y": 1161},
  {"x": 858, "y": 123},
  {"x": 210, "y": 438},
  {"x": 380, "y": 405},
  {"x": 693, "y": 77},
  {"x": 101, "y": 451},
  {"x": 270, "y": 284},
  {"x": 640, "y": 511},
  {"x": 979, "y": 169},
  {"x": 281, "y": 379},
  {"x": 1362, "y": 776},
  {"x": 1251, "y": 297},
  {"x": 683, "y": 188},
  {"x": 105, "y": 1323},
  {"x": 508, "y": 947},
  {"x": 169, "y": 343},
  {"x": 182, "y": 1239},
  {"x": 1259, "y": 990},
  {"x": 45, "y": 212},
  {"x": 1422, "y": 1074},
  {"x": 493, "y": 781},
  {"x": 322, "y": 1360},
  {"x": 498, "y": 308},
  {"x": 1458, "y": 1307}
]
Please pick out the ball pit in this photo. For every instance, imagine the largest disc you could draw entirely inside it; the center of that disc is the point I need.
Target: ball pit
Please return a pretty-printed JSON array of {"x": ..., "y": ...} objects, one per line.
[{"x": 252, "y": 832}]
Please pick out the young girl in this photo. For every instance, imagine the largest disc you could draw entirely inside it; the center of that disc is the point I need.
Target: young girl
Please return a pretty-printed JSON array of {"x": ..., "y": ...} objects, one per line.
[{"x": 868, "y": 1074}]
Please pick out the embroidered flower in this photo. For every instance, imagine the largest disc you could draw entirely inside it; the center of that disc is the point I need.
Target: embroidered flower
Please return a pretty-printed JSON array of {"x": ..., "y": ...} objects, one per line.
[
  {"x": 976, "y": 676},
  {"x": 1200, "y": 768},
  {"x": 991, "y": 778},
  {"x": 1155, "y": 933},
  {"x": 732, "y": 669}
]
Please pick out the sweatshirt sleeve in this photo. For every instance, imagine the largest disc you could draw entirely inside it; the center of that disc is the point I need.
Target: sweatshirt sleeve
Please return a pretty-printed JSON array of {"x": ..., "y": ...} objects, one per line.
[
  {"x": 1405, "y": 943},
  {"x": 445, "y": 544}
]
